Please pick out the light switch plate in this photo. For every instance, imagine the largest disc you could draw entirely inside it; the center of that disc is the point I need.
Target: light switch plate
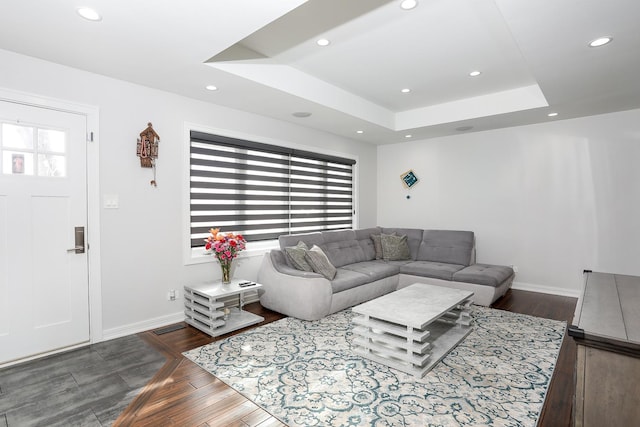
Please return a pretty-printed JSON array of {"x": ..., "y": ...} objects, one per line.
[{"x": 110, "y": 201}]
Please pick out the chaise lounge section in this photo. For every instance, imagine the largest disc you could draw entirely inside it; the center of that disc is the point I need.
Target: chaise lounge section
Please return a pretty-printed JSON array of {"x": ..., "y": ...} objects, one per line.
[{"x": 364, "y": 264}]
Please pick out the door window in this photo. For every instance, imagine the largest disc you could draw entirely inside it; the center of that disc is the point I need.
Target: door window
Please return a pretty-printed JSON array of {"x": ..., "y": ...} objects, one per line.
[{"x": 32, "y": 150}]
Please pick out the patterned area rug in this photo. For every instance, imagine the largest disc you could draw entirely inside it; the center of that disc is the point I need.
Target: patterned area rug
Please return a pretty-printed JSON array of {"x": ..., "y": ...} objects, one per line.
[{"x": 305, "y": 374}]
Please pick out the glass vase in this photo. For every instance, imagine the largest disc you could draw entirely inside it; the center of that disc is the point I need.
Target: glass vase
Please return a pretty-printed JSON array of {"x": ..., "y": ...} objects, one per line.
[{"x": 227, "y": 274}]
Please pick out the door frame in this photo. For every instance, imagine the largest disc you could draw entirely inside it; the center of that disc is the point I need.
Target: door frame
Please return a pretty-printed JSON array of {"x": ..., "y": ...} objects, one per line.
[{"x": 91, "y": 114}]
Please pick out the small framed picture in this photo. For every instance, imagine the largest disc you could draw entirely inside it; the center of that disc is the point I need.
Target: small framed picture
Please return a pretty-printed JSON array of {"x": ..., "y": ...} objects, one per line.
[
  {"x": 409, "y": 179},
  {"x": 17, "y": 163}
]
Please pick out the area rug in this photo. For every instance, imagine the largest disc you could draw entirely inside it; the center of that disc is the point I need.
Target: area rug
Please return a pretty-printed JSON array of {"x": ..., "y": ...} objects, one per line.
[{"x": 305, "y": 374}]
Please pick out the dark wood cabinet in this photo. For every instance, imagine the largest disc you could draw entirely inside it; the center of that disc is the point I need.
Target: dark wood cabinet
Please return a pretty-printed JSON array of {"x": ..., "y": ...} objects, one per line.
[{"x": 606, "y": 329}]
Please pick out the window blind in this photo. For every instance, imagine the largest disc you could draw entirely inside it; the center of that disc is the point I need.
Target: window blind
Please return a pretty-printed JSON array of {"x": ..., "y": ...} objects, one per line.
[{"x": 263, "y": 191}]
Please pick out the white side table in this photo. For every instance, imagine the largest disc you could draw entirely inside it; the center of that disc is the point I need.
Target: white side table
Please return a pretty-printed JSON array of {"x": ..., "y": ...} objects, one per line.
[{"x": 204, "y": 310}]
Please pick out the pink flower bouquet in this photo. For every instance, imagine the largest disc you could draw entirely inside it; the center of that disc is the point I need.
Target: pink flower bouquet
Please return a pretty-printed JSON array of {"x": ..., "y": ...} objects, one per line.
[{"x": 225, "y": 247}]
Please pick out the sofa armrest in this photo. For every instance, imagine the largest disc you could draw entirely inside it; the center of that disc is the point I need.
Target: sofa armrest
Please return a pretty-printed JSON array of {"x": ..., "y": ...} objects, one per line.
[{"x": 306, "y": 297}]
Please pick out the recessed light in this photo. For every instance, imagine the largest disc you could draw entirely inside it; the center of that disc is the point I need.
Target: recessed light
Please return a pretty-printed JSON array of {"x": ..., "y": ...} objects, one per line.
[
  {"x": 89, "y": 14},
  {"x": 408, "y": 4},
  {"x": 552, "y": 114},
  {"x": 359, "y": 131},
  {"x": 408, "y": 135},
  {"x": 301, "y": 114},
  {"x": 600, "y": 41},
  {"x": 475, "y": 73},
  {"x": 211, "y": 87},
  {"x": 323, "y": 42},
  {"x": 405, "y": 90}
]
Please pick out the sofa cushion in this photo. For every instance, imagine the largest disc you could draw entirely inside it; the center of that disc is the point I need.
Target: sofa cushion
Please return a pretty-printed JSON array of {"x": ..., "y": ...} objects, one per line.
[
  {"x": 484, "y": 274},
  {"x": 400, "y": 263},
  {"x": 296, "y": 256},
  {"x": 363, "y": 237},
  {"x": 291, "y": 240},
  {"x": 436, "y": 270},
  {"x": 446, "y": 246},
  {"x": 394, "y": 248},
  {"x": 376, "y": 270},
  {"x": 414, "y": 237},
  {"x": 348, "y": 279},
  {"x": 343, "y": 252},
  {"x": 320, "y": 263},
  {"x": 338, "y": 235}
]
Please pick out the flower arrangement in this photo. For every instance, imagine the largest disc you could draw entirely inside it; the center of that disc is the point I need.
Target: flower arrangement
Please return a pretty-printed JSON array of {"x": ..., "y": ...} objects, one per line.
[{"x": 225, "y": 247}]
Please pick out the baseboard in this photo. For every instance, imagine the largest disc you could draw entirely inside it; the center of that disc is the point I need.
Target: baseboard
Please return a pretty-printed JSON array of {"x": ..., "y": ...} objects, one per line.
[
  {"x": 521, "y": 286},
  {"x": 41, "y": 355},
  {"x": 158, "y": 322},
  {"x": 143, "y": 326}
]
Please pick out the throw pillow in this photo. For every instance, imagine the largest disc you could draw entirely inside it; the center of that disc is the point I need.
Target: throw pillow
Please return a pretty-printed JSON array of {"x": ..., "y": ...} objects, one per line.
[
  {"x": 319, "y": 262},
  {"x": 295, "y": 255},
  {"x": 394, "y": 248},
  {"x": 377, "y": 245}
]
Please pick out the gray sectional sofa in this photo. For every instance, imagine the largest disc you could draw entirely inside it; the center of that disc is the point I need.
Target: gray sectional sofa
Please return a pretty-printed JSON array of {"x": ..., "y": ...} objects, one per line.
[{"x": 438, "y": 257}]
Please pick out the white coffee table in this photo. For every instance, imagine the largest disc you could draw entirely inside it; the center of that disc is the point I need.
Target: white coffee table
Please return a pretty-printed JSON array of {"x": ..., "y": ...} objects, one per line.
[
  {"x": 204, "y": 307},
  {"x": 413, "y": 328}
]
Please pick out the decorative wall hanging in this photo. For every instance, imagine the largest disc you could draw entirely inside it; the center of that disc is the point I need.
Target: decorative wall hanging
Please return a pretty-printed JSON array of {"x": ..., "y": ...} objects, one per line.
[
  {"x": 409, "y": 179},
  {"x": 147, "y": 150}
]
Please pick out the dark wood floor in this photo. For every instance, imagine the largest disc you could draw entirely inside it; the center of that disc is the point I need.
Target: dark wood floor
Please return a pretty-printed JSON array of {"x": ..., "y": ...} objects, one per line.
[
  {"x": 559, "y": 403},
  {"x": 183, "y": 394}
]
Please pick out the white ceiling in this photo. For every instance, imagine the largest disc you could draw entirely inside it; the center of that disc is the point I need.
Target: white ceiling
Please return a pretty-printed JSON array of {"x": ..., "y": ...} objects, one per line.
[{"x": 261, "y": 54}]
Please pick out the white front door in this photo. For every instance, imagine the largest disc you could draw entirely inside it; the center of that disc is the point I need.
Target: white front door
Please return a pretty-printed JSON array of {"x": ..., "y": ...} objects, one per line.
[{"x": 44, "y": 287}]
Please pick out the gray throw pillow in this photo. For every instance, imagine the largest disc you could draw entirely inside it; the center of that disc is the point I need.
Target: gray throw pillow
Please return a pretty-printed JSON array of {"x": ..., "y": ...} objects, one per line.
[
  {"x": 377, "y": 245},
  {"x": 295, "y": 255},
  {"x": 394, "y": 248},
  {"x": 319, "y": 262}
]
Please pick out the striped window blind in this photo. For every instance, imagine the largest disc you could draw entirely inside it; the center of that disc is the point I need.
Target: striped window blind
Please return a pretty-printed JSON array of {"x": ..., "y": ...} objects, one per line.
[{"x": 263, "y": 191}]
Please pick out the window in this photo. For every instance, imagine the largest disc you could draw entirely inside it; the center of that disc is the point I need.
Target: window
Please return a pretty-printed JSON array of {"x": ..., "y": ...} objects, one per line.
[
  {"x": 263, "y": 191},
  {"x": 32, "y": 150}
]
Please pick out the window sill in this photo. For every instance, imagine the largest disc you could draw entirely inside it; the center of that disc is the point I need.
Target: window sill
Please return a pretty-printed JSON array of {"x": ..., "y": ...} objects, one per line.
[{"x": 257, "y": 249}]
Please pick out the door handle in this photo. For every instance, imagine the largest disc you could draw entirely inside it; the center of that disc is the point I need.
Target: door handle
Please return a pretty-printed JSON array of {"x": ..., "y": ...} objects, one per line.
[{"x": 79, "y": 241}]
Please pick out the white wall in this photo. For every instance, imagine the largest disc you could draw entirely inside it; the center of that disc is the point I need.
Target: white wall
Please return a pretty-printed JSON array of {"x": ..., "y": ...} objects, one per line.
[
  {"x": 552, "y": 199},
  {"x": 142, "y": 241}
]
